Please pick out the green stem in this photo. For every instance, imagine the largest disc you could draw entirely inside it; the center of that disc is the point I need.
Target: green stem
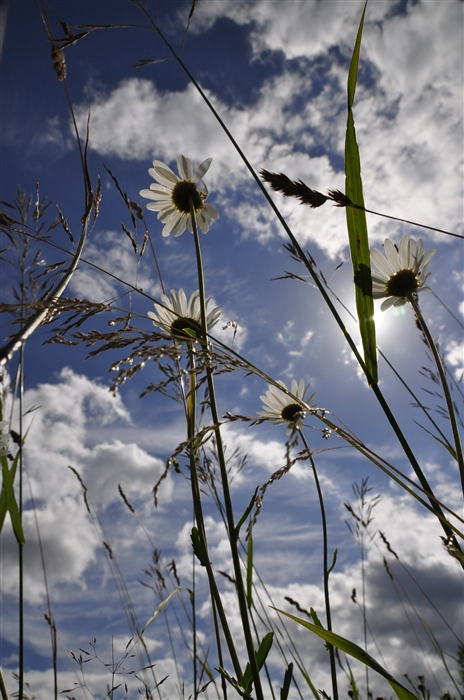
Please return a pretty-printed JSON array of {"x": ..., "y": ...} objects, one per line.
[
  {"x": 198, "y": 510},
  {"x": 328, "y": 614},
  {"x": 191, "y": 416},
  {"x": 299, "y": 251},
  {"x": 449, "y": 401},
  {"x": 241, "y": 594}
]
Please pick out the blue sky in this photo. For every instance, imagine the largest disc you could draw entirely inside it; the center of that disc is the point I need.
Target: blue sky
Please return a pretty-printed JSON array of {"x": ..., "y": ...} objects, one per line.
[{"x": 276, "y": 73}]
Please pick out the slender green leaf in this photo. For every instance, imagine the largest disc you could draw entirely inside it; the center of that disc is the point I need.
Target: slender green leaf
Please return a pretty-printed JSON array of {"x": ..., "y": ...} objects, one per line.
[
  {"x": 8, "y": 499},
  {"x": 309, "y": 683},
  {"x": 356, "y": 652},
  {"x": 234, "y": 683},
  {"x": 284, "y": 691},
  {"x": 357, "y": 225},
  {"x": 354, "y": 688},
  {"x": 198, "y": 546},
  {"x": 245, "y": 515},
  {"x": 334, "y": 561},
  {"x": 249, "y": 572},
  {"x": 164, "y": 603},
  {"x": 446, "y": 444},
  {"x": 261, "y": 656}
]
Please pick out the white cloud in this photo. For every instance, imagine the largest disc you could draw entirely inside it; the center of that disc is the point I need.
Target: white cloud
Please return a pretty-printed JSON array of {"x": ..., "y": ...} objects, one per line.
[
  {"x": 112, "y": 252},
  {"x": 408, "y": 124},
  {"x": 455, "y": 357},
  {"x": 408, "y": 120},
  {"x": 68, "y": 427}
]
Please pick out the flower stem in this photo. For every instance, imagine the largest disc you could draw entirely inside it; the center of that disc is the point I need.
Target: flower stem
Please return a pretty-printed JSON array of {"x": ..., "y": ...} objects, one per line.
[
  {"x": 328, "y": 614},
  {"x": 240, "y": 588},
  {"x": 449, "y": 401},
  {"x": 304, "y": 259},
  {"x": 198, "y": 510}
]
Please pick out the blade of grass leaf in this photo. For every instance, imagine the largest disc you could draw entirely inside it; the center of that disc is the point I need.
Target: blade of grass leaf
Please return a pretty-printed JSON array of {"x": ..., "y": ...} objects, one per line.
[
  {"x": 8, "y": 500},
  {"x": 356, "y": 652},
  {"x": 284, "y": 691},
  {"x": 357, "y": 226}
]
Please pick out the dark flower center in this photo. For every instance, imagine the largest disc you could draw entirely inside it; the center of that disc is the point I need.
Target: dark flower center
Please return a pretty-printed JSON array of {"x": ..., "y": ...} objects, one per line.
[
  {"x": 182, "y": 326},
  {"x": 291, "y": 412},
  {"x": 183, "y": 192},
  {"x": 403, "y": 284}
]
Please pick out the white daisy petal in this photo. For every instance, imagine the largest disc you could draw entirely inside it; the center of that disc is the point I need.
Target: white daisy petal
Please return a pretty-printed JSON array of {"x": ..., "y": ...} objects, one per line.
[
  {"x": 426, "y": 257},
  {"x": 155, "y": 206},
  {"x": 381, "y": 263},
  {"x": 211, "y": 211},
  {"x": 176, "y": 309},
  {"x": 163, "y": 174},
  {"x": 179, "y": 228},
  {"x": 184, "y": 166},
  {"x": 387, "y": 303},
  {"x": 171, "y": 223},
  {"x": 280, "y": 408},
  {"x": 392, "y": 255},
  {"x": 406, "y": 252},
  {"x": 402, "y": 273},
  {"x": 202, "y": 169},
  {"x": 172, "y": 196}
]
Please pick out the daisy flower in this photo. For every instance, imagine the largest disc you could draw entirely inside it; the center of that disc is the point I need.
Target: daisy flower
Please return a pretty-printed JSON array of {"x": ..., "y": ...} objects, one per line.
[
  {"x": 402, "y": 272},
  {"x": 280, "y": 408},
  {"x": 178, "y": 315},
  {"x": 172, "y": 195}
]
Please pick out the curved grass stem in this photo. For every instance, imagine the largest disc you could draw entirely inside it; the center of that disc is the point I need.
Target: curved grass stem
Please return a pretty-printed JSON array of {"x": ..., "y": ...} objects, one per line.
[
  {"x": 319, "y": 284},
  {"x": 240, "y": 587},
  {"x": 325, "y": 548},
  {"x": 446, "y": 391}
]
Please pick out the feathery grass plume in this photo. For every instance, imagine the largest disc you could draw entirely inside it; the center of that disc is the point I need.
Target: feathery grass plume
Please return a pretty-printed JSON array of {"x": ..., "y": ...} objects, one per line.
[
  {"x": 293, "y": 188},
  {"x": 297, "y": 188}
]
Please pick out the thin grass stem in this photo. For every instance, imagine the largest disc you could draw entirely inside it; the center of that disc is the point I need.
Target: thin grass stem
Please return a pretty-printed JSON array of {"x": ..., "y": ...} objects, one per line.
[
  {"x": 378, "y": 394},
  {"x": 449, "y": 401},
  {"x": 240, "y": 588},
  {"x": 198, "y": 510},
  {"x": 325, "y": 550}
]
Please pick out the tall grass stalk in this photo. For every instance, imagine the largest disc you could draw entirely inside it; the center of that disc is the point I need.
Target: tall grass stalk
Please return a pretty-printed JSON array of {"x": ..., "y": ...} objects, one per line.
[
  {"x": 205, "y": 354},
  {"x": 233, "y": 536},
  {"x": 320, "y": 286},
  {"x": 326, "y": 569},
  {"x": 446, "y": 391}
]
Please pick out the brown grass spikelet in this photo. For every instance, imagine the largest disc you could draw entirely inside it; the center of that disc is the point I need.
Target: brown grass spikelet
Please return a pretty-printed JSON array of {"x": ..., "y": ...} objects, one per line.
[
  {"x": 59, "y": 63},
  {"x": 294, "y": 188},
  {"x": 340, "y": 199}
]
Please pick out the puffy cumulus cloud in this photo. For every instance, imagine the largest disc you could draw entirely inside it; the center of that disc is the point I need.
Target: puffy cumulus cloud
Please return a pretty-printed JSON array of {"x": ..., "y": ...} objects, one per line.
[
  {"x": 113, "y": 463},
  {"x": 408, "y": 112},
  {"x": 74, "y": 424},
  {"x": 68, "y": 543},
  {"x": 95, "y": 676},
  {"x": 304, "y": 29},
  {"x": 112, "y": 252},
  {"x": 136, "y": 121},
  {"x": 397, "y": 589},
  {"x": 455, "y": 357}
]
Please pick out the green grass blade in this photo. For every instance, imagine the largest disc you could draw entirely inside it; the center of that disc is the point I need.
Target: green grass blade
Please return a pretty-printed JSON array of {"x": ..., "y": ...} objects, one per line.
[
  {"x": 249, "y": 572},
  {"x": 261, "y": 656},
  {"x": 357, "y": 225},
  {"x": 356, "y": 652},
  {"x": 161, "y": 607},
  {"x": 284, "y": 691},
  {"x": 8, "y": 500}
]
